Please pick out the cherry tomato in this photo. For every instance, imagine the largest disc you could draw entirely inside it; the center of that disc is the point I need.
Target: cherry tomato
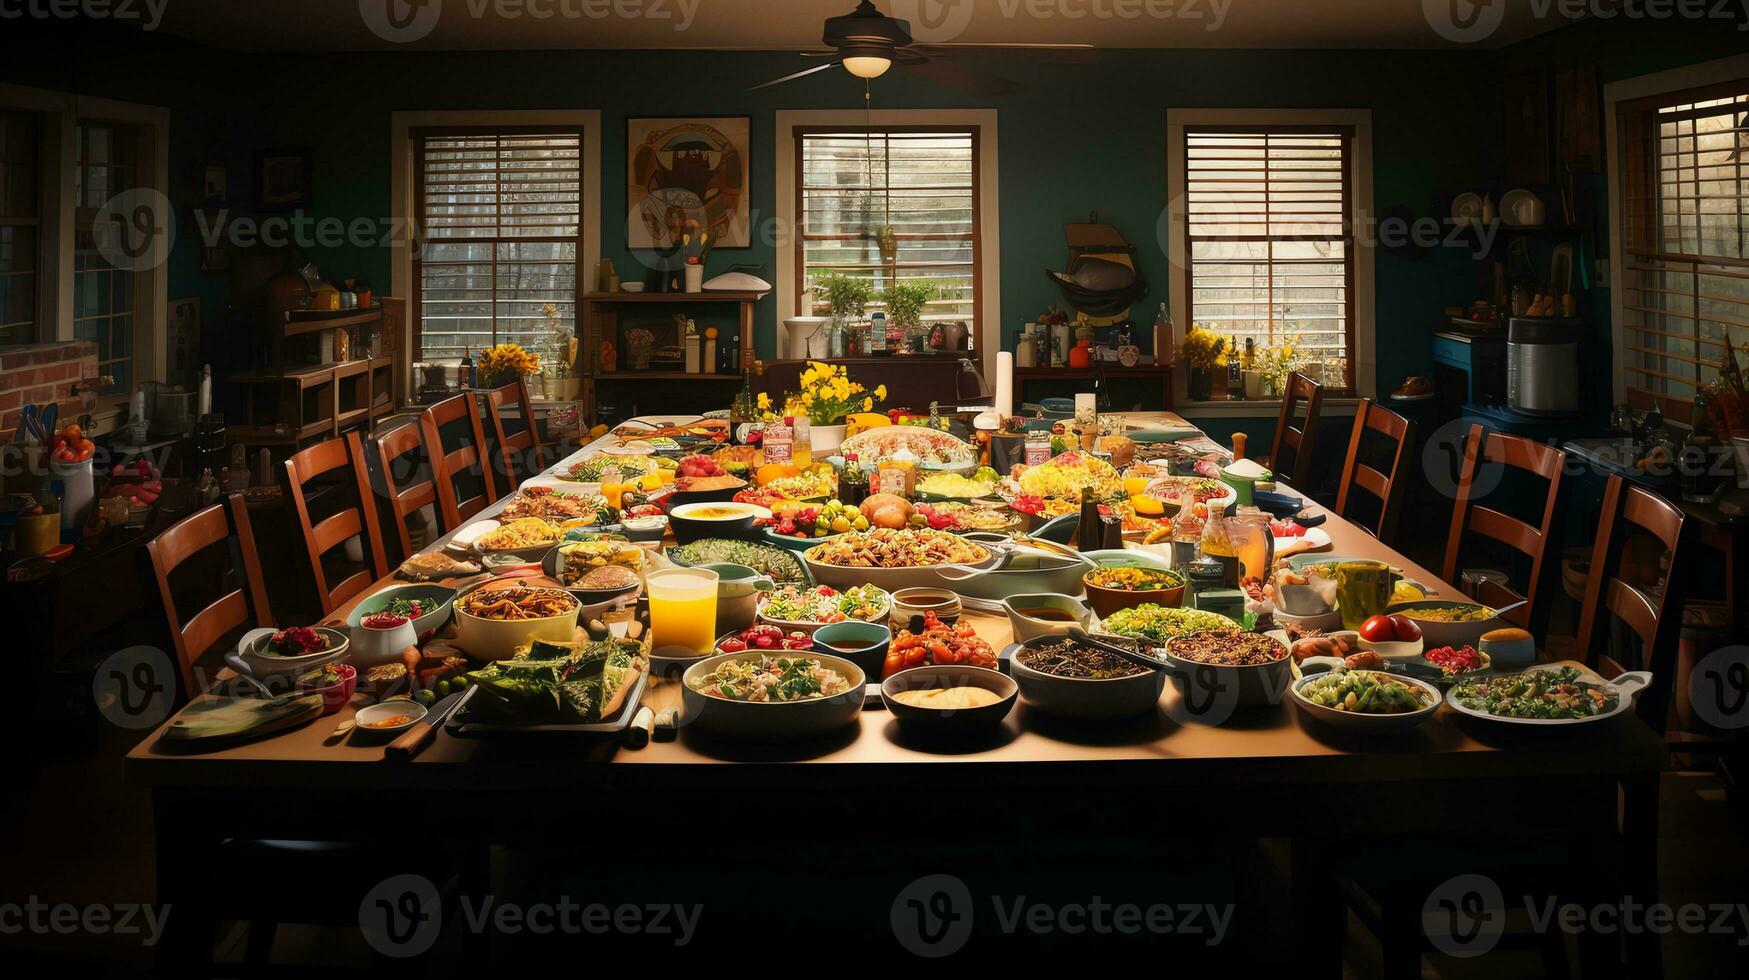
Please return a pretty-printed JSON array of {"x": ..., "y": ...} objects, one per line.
[
  {"x": 1405, "y": 628},
  {"x": 1378, "y": 629}
]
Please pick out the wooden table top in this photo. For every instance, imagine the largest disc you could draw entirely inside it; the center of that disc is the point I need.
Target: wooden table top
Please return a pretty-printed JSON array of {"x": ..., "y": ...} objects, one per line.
[{"x": 1277, "y": 744}]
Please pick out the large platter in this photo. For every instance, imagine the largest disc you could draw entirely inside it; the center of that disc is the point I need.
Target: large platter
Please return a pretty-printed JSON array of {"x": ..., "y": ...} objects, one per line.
[
  {"x": 1628, "y": 686},
  {"x": 951, "y": 577}
]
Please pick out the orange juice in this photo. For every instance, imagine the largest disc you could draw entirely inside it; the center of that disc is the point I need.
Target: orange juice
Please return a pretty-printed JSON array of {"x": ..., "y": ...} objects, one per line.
[{"x": 683, "y": 610}]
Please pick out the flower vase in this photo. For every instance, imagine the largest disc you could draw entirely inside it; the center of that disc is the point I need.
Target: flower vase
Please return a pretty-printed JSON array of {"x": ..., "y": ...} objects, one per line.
[
  {"x": 1201, "y": 384},
  {"x": 825, "y": 439},
  {"x": 1254, "y": 385}
]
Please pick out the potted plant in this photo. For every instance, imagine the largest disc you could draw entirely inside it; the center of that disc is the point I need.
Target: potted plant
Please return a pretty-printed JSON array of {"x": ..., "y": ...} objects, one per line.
[
  {"x": 828, "y": 396},
  {"x": 1275, "y": 364},
  {"x": 503, "y": 363},
  {"x": 847, "y": 297},
  {"x": 1203, "y": 352},
  {"x": 905, "y": 300}
]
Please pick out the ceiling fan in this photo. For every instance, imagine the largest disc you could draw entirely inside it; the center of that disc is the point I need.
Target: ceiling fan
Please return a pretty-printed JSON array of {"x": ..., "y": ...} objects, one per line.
[{"x": 867, "y": 43}]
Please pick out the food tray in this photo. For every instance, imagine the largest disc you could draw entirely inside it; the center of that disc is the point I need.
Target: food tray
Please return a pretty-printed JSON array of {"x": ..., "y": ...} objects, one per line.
[
  {"x": 1628, "y": 687},
  {"x": 461, "y": 727}
]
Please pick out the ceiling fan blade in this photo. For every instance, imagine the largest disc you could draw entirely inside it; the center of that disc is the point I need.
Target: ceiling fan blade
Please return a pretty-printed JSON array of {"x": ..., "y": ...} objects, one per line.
[
  {"x": 1068, "y": 54},
  {"x": 968, "y": 80},
  {"x": 795, "y": 75}
]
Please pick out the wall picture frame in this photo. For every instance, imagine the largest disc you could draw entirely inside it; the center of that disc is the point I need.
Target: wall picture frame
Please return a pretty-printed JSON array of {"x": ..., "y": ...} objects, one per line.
[
  {"x": 282, "y": 179},
  {"x": 686, "y": 175}
]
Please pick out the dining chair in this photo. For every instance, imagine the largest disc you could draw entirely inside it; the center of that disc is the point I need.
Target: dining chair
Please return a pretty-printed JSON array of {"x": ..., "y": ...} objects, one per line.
[
  {"x": 1386, "y": 486},
  {"x": 1469, "y": 519},
  {"x": 1654, "y": 616},
  {"x": 229, "y": 612},
  {"x": 345, "y": 523},
  {"x": 467, "y": 459},
  {"x": 397, "y": 450},
  {"x": 512, "y": 444},
  {"x": 1297, "y": 439}
]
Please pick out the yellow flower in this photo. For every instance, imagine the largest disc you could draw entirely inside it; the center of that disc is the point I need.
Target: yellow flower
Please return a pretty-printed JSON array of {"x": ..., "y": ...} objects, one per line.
[
  {"x": 868, "y": 404},
  {"x": 880, "y": 393},
  {"x": 764, "y": 401}
]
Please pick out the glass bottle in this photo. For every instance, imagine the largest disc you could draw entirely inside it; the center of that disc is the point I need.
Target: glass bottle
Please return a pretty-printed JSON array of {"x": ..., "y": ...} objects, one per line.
[
  {"x": 1218, "y": 544},
  {"x": 777, "y": 441},
  {"x": 853, "y": 482},
  {"x": 465, "y": 372}
]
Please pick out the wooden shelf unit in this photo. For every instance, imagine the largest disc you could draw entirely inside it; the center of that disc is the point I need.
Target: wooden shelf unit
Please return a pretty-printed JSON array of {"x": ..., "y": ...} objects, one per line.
[
  {"x": 304, "y": 404},
  {"x": 600, "y": 320}
]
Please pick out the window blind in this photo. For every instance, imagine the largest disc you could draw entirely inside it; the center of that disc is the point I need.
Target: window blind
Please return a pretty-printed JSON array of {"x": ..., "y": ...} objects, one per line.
[
  {"x": 1269, "y": 242},
  {"x": 1686, "y": 291},
  {"x": 500, "y": 218},
  {"x": 20, "y": 226},
  {"x": 920, "y": 183}
]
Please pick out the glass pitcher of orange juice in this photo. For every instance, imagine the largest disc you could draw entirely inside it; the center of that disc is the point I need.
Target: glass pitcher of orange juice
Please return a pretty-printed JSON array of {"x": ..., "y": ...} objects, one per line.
[{"x": 1253, "y": 545}]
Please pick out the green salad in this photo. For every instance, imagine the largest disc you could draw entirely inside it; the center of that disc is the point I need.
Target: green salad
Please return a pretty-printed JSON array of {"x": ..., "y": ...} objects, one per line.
[
  {"x": 784, "y": 567},
  {"x": 1551, "y": 694},
  {"x": 772, "y": 679},
  {"x": 1365, "y": 692},
  {"x": 1161, "y": 623},
  {"x": 824, "y": 604}
]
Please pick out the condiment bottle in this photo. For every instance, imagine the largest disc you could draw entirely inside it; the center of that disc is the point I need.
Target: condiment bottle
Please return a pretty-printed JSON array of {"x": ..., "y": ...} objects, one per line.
[
  {"x": 853, "y": 482},
  {"x": 1216, "y": 543},
  {"x": 777, "y": 441},
  {"x": 801, "y": 447},
  {"x": 1038, "y": 446},
  {"x": 897, "y": 474}
]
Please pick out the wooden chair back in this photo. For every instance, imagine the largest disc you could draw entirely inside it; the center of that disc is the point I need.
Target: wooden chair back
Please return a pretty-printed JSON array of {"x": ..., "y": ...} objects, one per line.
[
  {"x": 360, "y": 519},
  {"x": 1655, "y": 619},
  {"x": 1296, "y": 439},
  {"x": 446, "y": 463},
  {"x": 1485, "y": 448},
  {"x": 526, "y": 440},
  {"x": 406, "y": 442},
  {"x": 181, "y": 541},
  {"x": 1386, "y": 486}
]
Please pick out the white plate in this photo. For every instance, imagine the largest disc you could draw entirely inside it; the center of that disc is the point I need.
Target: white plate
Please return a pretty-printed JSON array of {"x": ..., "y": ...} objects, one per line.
[
  {"x": 465, "y": 538},
  {"x": 1628, "y": 686},
  {"x": 1314, "y": 539},
  {"x": 1466, "y": 208},
  {"x": 1364, "y": 722}
]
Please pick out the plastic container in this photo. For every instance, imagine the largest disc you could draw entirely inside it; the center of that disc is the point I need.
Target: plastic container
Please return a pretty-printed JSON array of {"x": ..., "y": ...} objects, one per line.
[{"x": 77, "y": 492}]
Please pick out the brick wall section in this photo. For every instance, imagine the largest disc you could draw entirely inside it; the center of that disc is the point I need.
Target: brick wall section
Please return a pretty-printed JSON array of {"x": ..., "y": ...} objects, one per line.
[{"x": 37, "y": 374}]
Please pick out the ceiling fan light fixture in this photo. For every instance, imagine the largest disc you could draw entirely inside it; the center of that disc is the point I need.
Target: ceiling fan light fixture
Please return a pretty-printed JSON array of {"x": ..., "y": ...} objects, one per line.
[{"x": 867, "y": 66}]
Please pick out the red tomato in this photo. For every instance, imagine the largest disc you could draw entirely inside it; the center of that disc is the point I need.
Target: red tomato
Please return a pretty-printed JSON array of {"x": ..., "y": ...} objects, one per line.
[
  {"x": 1405, "y": 628},
  {"x": 1378, "y": 629},
  {"x": 894, "y": 663}
]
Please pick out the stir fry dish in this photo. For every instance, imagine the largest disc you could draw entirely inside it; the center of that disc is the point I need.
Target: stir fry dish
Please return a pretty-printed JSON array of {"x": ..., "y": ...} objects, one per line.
[
  {"x": 777, "y": 679},
  {"x": 524, "y": 532},
  {"x": 1126, "y": 578},
  {"x": 905, "y": 548},
  {"x": 557, "y": 506},
  {"x": 557, "y": 683},
  {"x": 1227, "y": 648},
  {"x": 1066, "y": 658},
  {"x": 578, "y": 560},
  {"x": 516, "y": 602},
  {"x": 1550, "y": 694}
]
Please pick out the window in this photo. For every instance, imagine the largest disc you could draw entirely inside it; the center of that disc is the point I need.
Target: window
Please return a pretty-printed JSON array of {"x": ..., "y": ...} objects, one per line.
[
  {"x": 1685, "y": 292},
  {"x": 500, "y": 217},
  {"x": 107, "y": 299},
  {"x": 890, "y": 205},
  {"x": 1268, "y": 240},
  {"x": 20, "y": 227}
]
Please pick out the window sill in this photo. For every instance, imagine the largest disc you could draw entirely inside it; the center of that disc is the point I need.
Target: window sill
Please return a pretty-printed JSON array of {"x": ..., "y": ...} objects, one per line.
[{"x": 1249, "y": 409}]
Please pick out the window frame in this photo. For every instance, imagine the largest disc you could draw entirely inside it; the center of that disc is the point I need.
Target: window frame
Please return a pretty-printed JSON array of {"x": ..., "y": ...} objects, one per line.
[
  {"x": 40, "y": 224},
  {"x": 84, "y": 216},
  {"x": 798, "y": 135},
  {"x": 988, "y": 298},
  {"x": 415, "y": 295},
  {"x": 1620, "y": 100},
  {"x": 1361, "y": 291},
  {"x": 404, "y": 203}
]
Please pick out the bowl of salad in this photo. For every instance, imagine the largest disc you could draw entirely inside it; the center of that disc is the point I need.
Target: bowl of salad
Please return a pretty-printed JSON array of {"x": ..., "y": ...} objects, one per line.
[
  {"x": 1552, "y": 694},
  {"x": 1369, "y": 700},
  {"x": 773, "y": 695},
  {"x": 797, "y": 609},
  {"x": 1114, "y": 587},
  {"x": 428, "y": 606}
]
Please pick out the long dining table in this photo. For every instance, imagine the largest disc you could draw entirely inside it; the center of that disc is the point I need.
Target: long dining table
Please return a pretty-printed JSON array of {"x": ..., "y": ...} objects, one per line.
[{"x": 1259, "y": 773}]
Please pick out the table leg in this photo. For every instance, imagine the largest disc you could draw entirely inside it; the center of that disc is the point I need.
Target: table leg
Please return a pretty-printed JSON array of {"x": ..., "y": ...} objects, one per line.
[
  {"x": 1639, "y": 868},
  {"x": 1320, "y": 915},
  {"x": 182, "y": 895}
]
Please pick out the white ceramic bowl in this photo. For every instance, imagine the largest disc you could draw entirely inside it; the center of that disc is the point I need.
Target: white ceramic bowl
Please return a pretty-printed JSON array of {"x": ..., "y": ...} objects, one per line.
[
  {"x": 253, "y": 659},
  {"x": 1354, "y": 720},
  {"x": 497, "y": 639},
  {"x": 1082, "y": 697},
  {"x": 382, "y": 710},
  {"x": 773, "y": 721},
  {"x": 1435, "y": 634}
]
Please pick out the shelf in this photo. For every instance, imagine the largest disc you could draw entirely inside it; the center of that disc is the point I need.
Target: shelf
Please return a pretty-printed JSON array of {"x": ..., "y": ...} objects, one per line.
[
  {"x": 1079, "y": 374},
  {"x": 665, "y": 376},
  {"x": 710, "y": 297},
  {"x": 310, "y": 321}
]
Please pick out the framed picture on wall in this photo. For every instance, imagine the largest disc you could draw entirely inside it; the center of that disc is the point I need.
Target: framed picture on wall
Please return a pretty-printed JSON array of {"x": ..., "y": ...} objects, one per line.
[
  {"x": 687, "y": 177},
  {"x": 282, "y": 179},
  {"x": 215, "y": 186}
]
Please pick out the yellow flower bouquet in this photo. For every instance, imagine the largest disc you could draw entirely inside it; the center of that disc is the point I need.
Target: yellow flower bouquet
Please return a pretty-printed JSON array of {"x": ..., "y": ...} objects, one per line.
[
  {"x": 828, "y": 395},
  {"x": 504, "y": 363}
]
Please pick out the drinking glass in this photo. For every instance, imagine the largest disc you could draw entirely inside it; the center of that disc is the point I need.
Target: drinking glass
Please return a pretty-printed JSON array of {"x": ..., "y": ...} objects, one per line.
[
  {"x": 1363, "y": 590},
  {"x": 683, "y": 609}
]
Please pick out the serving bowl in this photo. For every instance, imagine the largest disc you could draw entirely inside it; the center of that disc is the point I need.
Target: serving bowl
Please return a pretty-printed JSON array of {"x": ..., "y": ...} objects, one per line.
[
  {"x": 1106, "y": 600},
  {"x": 894, "y": 579},
  {"x": 791, "y": 625},
  {"x": 1028, "y": 627},
  {"x": 773, "y": 720},
  {"x": 945, "y": 721},
  {"x": 909, "y": 604},
  {"x": 375, "y": 645},
  {"x": 863, "y": 644},
  {"x": 367, "y": 719},
  {"x": 1361, "y": 721},
  {"x": 252, "y": 657},
  {"x": 1084, "y": 697},
  {"x": 436, "y": 599},
  {"x": 1441, "y": 634},
  {"x": 497, "y": 639},
  {"x": 554, "y": 561},
  {"x": 719, "y": 495},
  {"x": 715, "y": 519},
  {"x": 335, "y": 694},
  {"x": 1254, "y": 685}
]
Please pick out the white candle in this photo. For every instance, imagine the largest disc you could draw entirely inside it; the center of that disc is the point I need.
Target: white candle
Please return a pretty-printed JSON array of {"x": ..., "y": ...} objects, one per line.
[
  {"x": 137, "y": 406},
  {"x": 205, "y": 407},
  {"x": 1004, "y": 384}
]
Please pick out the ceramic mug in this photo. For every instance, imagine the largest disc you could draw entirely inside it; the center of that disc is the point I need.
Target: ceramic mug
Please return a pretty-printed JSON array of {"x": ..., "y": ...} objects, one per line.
[{"x": 738, "y": 589}]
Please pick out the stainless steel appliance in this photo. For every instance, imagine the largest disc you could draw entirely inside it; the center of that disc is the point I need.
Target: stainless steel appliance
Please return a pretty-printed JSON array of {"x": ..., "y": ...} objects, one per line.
[{"x": 1542, "y": 365}]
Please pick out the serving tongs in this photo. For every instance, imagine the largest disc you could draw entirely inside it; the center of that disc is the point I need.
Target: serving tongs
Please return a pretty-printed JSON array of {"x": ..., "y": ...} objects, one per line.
[
  {"x": 1424, "y": 672},
  {"x": 1006, "y": 551},
  {"x": 1136, "y": 657}
]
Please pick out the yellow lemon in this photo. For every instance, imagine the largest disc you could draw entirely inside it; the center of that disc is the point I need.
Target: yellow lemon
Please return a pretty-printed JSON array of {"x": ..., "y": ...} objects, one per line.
[{"x": 1147, "y": 506}]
